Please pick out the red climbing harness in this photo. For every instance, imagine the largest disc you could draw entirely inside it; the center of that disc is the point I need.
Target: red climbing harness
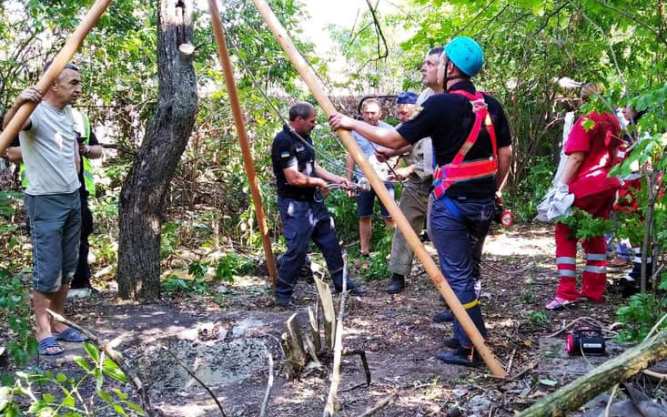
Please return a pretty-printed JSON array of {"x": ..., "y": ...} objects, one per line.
[{"x": 456, "y": 171}]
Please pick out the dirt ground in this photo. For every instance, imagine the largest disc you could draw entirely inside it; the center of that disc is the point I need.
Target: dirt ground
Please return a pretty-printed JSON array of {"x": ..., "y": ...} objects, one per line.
[{"x": 227, "y": 346}]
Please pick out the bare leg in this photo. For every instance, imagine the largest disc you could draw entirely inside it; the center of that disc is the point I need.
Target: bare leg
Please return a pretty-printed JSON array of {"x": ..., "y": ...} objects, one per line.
[
  {"x": 41, "y": 302},
  {"x": 58, "y": 305},
  {"x": 365, "y": 231}
]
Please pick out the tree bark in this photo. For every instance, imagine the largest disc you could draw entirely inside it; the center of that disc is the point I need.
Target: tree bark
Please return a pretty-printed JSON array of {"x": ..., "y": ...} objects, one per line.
[
  {"x": 142, "y": 199},
  {"x": 610, "y": 373}
]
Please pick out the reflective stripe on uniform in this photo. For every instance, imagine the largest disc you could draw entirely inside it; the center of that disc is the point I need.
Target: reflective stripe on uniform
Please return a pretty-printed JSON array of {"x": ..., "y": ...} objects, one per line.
[
  {"x": 596, "y": 256},
  {"x": 595, "y": 269},
  {"x": 566, "y": 260},
  {"x": 567, "y": 273}
]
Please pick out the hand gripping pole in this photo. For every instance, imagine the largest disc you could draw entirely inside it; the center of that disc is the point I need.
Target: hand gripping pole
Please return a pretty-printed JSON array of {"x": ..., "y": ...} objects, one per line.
[
  {"x": 64, "y": 56},
  {"x": 431, "y": 268}
]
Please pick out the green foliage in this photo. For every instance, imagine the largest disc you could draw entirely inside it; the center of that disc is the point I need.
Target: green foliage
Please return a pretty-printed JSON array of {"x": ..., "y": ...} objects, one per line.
[
  {"x": 378, "y": 265},
  {"x": 538, "y": 318},
  {"x": 57, "y": 394},
  {"x": 169, "y": 239},
  {"x": 231, "y": 265},
  {"x": 585, "y": 226},
  {"x": 640, "y": 315},
  {"x": 175, "y": 285},
  {"x": 15, "y": 311},
  {"x": 536, "y": 185}
]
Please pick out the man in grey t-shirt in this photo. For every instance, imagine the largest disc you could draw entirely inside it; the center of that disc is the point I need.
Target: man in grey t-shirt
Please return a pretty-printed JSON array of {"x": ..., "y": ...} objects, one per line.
[
  {"x": 371, "y": 113},
  {"x": 50, "y": 152}
]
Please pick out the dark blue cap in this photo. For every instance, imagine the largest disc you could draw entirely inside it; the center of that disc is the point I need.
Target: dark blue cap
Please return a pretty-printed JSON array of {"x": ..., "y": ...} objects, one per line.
[{"x": 406, "y": 97}]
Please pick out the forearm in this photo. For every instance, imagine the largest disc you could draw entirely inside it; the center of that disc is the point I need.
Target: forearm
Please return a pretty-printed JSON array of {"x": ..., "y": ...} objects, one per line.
[
  {"x": 298, "y": 179},
  {"x": 328, "y": 176},
  {"x": 389, "y": 138},
  {"x": 572, "y": 165},
  {"x": 402, "y": 150},
  {"x": 504, "y": 162},
  {"x": 93, "y": 151},
  {"x": 10, "y": 114}
]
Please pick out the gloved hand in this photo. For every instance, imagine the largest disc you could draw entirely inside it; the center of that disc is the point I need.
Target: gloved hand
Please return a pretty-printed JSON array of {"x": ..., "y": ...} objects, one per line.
[{"x": 556, "y": 203}]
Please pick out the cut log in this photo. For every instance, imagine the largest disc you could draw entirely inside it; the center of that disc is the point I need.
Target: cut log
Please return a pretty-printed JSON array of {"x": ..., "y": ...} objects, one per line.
[
  {"x": 314, "y": 329},
  {"x": 296, "y": 358},
  {"x": 328, "y": 312},
  {"x": 610, "y": 373}
]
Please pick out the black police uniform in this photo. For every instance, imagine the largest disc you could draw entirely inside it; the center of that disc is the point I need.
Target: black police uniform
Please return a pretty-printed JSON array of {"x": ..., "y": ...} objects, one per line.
[{"x": 304, "y": 215}]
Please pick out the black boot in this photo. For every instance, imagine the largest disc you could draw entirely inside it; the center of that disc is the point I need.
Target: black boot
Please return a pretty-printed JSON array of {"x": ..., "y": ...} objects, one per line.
[
  {"x": 445, "y": 316},
  {"x": 461, "y": 356},
  {"x": 396, "y": 284},
  {"x": 452, "y": 343}
]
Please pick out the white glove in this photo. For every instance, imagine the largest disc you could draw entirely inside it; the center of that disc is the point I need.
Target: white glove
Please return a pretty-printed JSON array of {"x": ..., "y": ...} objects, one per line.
[{"x": 556, "y": 203}]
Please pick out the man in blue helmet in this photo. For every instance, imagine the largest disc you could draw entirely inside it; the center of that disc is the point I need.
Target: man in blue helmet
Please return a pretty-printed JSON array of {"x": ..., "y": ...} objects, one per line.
[{"x": 472, "y": 146}]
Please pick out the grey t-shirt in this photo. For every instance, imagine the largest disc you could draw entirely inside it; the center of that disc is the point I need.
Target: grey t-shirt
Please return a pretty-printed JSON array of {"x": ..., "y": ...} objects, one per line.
[
  {"x": 48, "y": 149},
  {"x": 368, "y": 149}
]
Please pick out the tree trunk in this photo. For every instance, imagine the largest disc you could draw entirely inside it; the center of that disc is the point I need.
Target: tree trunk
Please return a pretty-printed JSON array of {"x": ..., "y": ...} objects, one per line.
[
  {"x": 143, "y": 195},
  {"x": 610, "y": 373}
]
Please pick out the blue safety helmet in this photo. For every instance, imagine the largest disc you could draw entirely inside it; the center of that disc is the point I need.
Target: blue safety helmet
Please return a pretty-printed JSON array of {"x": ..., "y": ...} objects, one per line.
[
  {"x": 406, "y": 97},
  {"x": 466, "y": 54}
]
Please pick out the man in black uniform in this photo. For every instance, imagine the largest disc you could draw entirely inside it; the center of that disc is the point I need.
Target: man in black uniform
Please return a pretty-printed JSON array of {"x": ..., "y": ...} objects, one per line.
[
  {"x": 472, "y": 145},
  {"x": 302, "y": 184}
]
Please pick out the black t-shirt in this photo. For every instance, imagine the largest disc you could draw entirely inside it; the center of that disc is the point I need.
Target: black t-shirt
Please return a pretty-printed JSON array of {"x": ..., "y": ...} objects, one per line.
[
  {"x": 287, "y": 151},
  {"x": 448, "y": 119}
]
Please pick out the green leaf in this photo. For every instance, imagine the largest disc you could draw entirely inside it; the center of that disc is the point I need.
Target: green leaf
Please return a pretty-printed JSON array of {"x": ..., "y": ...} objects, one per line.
[
  {"x": 92, "y": 351},
  {"x": 112, "y": 370},
  {"x": 135, "y": 407}
]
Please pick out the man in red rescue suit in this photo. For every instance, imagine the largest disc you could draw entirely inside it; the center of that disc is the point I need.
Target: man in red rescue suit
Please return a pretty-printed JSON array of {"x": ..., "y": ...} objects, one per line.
[
  {"x": 591, "y": 149},
  {"x": 472, "y": 146}
]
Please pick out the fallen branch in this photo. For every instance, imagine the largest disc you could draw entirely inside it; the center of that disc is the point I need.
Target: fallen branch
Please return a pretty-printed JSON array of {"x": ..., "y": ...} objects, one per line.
[
  {"x": 116, "y": 358},
  {"x": 510, "y": 362},
  {"x": 600, "y": 379},
  {"x": 377, "y": 407},
  {"x": 192, "y": 374},
  {"x": 269, "y": 385}
]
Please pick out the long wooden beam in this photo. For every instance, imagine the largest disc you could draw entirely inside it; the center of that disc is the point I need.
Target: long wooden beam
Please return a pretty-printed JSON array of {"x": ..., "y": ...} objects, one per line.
[
  {"x": 402, "y": 223},
  {"x": 225, "y": 62},
  {"x": 57, "y": 65}
]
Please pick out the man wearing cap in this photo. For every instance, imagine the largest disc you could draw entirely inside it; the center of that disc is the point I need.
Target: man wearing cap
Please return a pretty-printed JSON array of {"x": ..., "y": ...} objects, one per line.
[
  {"x": 414, "y": 196},
  {"x": 472, "y": 147}
]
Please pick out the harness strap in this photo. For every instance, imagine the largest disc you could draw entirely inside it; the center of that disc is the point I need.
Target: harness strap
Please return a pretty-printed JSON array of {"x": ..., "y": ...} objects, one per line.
[{"x": 458, "y": 170}]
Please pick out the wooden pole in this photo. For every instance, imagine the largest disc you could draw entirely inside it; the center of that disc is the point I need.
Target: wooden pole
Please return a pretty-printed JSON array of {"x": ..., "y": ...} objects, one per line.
[
  {"x": 402, "y": 223},
  {"x": 64, "y": 56},
  {"x": 226, "y": 64}
]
